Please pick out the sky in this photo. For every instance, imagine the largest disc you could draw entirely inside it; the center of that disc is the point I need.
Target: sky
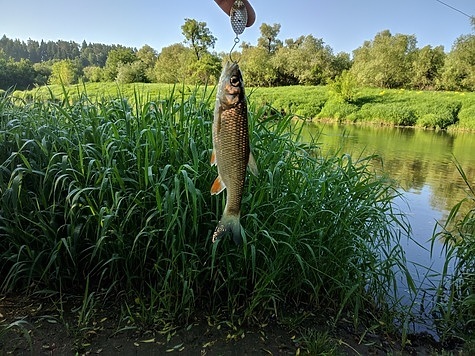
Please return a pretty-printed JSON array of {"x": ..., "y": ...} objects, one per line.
[{"x": 344, "y": 25}]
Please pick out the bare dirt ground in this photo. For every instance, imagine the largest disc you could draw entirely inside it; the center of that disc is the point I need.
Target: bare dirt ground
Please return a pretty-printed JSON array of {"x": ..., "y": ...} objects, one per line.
[{"x": 43, "y": 330}]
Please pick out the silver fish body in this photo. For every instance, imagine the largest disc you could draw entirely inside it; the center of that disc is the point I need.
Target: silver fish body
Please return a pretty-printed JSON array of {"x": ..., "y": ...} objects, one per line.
[{"x": 231, "y": 150}]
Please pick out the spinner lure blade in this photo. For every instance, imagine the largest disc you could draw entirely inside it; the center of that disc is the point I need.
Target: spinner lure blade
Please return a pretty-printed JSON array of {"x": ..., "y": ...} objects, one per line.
[{"x": 238, "y": 15}]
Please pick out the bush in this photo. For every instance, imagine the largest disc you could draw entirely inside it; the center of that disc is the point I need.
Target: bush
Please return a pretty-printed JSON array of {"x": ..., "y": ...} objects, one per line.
[
  {"x": 116, "y": 197},
  {"x": 344, "y": 87},
  {"x": 441, "y": 117},
  {"x": 466, "y": 117},
  {"x": 336, "y": 109}
]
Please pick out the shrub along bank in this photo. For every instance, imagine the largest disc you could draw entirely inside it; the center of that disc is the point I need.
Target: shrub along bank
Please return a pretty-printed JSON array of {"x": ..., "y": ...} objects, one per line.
[{"x": 392, "y": 107}]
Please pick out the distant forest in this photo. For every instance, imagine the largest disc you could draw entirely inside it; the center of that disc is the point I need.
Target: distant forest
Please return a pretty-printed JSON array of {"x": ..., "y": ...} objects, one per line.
[{"x": 387, "y": 61}]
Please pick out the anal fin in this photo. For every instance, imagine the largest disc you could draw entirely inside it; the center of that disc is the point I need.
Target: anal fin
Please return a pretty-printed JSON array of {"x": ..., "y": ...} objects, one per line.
[{"x": 217, "y": 186}]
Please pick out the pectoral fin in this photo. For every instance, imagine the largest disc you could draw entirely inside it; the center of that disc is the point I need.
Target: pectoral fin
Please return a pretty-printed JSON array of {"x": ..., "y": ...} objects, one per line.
[
  {"x": 213, "y": 158},
  {"x": 252, "y": 165},
  {"x": 218, "y": 186}
]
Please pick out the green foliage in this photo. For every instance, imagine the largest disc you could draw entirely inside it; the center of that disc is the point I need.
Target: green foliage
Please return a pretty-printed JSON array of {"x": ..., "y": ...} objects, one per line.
[
  {"x": 204, "y": 71},
  {"x": 117, "y": 57},
  {"x": 42, "y": 72},
  {"x": 386, "y": 61},
  {"x": 459, "y": 69},
  {"x": 344, "y": 87},
  {"x": 148, "y": 57},
  {"x": 93, "y": 74},
  {"x": 131, "y": 72},
  {"x": 427, "y": 66},
  {"x": 268, "y": 39},
  {"x": 257, "y": 67},
  {"x": 434, "y": 109},
  {"x": 198, "y": 36},
  {"x": 304, "y": 61},
  {"x": 443, "y": 116},
  {"x": 15, "y": 74},
  {"x": 178, "y": 64},
  {"x": 337, "y": 109},
  {"x": 115, "y": 195},
  {"x": 466, "y": 115},
  {"x": 455, "y": 305},
  {"x": 63, "y": 72},
  {"x": 170, "y": 66}
]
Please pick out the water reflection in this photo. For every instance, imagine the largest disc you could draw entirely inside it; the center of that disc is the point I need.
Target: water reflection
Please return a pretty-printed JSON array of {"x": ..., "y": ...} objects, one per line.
[
  {"x": 416, "y": 159},
  {"x": 422, "y": 162}
]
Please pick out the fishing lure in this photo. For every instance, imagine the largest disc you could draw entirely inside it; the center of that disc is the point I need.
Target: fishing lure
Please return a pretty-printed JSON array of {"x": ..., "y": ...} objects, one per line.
[{"x": 238, "y": 17}]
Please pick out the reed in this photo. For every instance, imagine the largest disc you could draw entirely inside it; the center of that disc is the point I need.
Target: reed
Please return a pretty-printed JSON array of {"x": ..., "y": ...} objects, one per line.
[
  {"x": 112, "y": 196},
  {"x": 454, "y": 307}
]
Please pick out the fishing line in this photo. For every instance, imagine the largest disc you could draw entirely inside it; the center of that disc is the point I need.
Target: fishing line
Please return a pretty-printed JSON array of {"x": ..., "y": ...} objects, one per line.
[{"x": 453, "y": 8}]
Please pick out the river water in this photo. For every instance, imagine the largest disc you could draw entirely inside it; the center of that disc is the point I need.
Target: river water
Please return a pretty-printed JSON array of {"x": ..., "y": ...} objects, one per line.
[{"x": 423, "y": 164}]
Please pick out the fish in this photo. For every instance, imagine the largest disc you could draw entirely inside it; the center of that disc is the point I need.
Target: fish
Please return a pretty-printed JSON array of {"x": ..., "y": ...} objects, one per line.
[{"x": 231, "y": 152}]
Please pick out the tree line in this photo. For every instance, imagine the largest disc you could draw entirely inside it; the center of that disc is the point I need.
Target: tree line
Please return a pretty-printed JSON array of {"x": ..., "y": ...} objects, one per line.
[{"x": 387, "y": 61}]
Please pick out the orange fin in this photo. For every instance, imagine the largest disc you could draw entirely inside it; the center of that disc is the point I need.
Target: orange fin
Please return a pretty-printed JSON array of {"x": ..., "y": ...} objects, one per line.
[
  {"x": 213, "y": 157},
  {"x": 218, "y": 186}
]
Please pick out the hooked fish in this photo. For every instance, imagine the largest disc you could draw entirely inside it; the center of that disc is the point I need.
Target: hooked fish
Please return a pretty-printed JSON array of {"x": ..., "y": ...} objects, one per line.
[{"x": 231, "y": 151}]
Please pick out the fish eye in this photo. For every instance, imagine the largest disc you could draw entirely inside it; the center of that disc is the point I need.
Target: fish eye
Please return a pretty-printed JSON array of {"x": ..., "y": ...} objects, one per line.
[{"x": 235, "y": 81}]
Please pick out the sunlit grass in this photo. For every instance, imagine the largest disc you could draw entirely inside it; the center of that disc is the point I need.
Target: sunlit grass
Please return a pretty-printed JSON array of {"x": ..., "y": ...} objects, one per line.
[
  {"x": 111, "y": 196},
  {"x": 392, "y": 107}
]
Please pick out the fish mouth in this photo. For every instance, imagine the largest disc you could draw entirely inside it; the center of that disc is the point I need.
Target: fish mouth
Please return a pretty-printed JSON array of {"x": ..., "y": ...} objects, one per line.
[{"x": 232, "y": 69}]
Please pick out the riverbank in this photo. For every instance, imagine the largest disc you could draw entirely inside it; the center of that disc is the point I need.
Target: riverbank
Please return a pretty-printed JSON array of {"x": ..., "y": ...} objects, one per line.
[
  {"x": 391, "y": 107},
  {"x": 41, "y": 327},
  {"x": 107, "y": 201}
]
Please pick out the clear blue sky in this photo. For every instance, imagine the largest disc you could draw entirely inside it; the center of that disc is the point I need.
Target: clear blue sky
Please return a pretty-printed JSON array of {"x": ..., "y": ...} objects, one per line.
[{"x": 342, "y": 24}]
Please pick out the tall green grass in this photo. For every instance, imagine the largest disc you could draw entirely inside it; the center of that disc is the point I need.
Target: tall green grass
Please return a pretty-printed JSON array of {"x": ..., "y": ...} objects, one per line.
[
  {"x": 392, "y": 107},
  {"x": 454, "y": 310},
  {"x": 113, "y": 197}
]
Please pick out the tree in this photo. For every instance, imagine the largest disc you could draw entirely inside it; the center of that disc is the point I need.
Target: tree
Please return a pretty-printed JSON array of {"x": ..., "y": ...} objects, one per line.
[
  {"x": 206, "y": 70},
  {"x": 268, "y": 39},
  {"x": 257, "y": 67},
  {"x": 459, "y": 68},
  {"x": 198, "y": 36},
  {"x": 344, "y": 87},
  {"x": 427, "y": 66},
  {"x": 171, "y": 64},
  {"x": 63, "y": 72},
  {"x": 93, "y": 73},
  {"x": 17, "y": 74},
  {"x": 386, "y": 61},
  {"x": 148, "y": 57},
  {"x": 305, "y": 61},
  {"x": 116, "y": 57},
  {"x": 131, "y": 73},
  {"x": 42, "y": 72}
]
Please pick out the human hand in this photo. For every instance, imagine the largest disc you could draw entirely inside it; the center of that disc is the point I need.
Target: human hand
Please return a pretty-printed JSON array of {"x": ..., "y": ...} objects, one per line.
[{"x": 226, "y": 5}]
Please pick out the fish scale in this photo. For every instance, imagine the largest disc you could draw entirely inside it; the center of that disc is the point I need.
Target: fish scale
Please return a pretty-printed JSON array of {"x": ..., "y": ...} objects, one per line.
[
  {"x": 234, "y": 154},
  {"x": 231, "y": 151}
]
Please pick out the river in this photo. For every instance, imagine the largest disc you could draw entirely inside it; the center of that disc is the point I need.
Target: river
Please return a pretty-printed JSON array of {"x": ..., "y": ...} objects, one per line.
[{"x": 423, "y": 164}]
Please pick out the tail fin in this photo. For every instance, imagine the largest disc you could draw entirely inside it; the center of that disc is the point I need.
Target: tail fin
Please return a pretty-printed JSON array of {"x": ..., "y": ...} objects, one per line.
[{"x": 228, "y": 224}]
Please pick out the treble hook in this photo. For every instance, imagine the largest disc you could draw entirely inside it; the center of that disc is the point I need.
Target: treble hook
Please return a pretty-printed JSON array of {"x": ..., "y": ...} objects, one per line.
[{"x": 236, "y": 41}]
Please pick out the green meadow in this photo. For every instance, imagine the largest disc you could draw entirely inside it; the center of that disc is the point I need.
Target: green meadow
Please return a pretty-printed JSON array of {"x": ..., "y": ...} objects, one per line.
[
  {"x": 105, "y": 194},
  {"x": 392, "y": 107}
]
